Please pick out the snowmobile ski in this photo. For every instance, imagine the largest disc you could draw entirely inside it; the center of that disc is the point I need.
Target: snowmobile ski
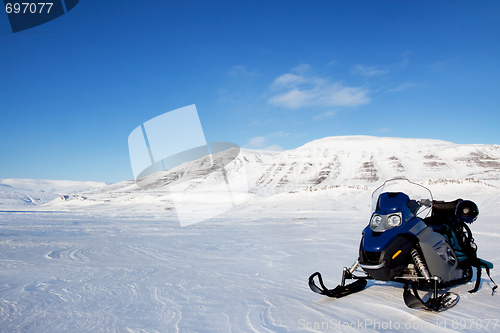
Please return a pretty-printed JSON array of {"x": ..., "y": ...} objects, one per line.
[
  {"x": 337, "y": 292},
  {"x": 435, "y": 303}
]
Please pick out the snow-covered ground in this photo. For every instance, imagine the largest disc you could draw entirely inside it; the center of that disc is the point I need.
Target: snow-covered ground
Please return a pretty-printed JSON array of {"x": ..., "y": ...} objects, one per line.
[{"x": 244, "y": 271}]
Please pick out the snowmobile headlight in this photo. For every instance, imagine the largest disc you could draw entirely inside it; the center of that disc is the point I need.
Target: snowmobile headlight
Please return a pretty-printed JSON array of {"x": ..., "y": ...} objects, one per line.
[
  {"x": 394, "y": 221},
  {"x": 375, "y": 221}
]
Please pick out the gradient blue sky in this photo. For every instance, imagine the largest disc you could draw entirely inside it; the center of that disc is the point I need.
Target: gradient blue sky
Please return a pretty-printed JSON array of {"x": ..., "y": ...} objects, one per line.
[{"x": 263, "y": 74}]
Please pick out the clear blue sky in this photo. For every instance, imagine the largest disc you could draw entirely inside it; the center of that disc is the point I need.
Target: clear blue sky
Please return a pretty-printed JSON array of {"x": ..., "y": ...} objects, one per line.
[{"x": 263, "y": 74}]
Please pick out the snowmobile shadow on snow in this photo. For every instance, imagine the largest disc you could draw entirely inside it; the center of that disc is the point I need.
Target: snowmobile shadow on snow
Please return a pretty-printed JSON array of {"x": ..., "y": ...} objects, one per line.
[{"x": 417, "y": 241}]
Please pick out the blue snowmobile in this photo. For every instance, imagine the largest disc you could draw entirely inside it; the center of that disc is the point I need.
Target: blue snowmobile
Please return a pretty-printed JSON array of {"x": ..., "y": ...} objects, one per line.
[{"x": 414, "y": 240}]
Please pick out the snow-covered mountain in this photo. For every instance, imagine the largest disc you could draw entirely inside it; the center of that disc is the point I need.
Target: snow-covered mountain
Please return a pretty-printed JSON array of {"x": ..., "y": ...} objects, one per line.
[
  {"x": 364, "y": 160},
  {"x": 19, "y": 194},
  {"x": 359, "y": 162}
]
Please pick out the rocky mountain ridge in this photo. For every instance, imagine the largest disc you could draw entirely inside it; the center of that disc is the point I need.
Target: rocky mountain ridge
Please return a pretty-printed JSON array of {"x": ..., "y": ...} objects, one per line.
[{"x": 361, "y": 162}]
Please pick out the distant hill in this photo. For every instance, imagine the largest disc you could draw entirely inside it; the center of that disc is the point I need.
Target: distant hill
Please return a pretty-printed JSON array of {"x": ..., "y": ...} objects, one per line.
[{"x": 21, "y": 194}]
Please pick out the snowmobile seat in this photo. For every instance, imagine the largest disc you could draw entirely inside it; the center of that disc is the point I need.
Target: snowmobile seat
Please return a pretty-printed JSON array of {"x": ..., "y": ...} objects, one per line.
[
  {"x": 442, "y": 212},
  {"x": 445, "y": 208}
]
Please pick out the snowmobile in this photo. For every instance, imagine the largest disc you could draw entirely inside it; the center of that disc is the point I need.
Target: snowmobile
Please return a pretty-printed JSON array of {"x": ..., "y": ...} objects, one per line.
[{"x": 414, "y": 240}]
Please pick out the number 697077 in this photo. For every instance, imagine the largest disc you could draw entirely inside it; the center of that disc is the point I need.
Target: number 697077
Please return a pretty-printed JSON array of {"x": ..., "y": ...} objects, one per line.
[{"x": 28, "y": 7}]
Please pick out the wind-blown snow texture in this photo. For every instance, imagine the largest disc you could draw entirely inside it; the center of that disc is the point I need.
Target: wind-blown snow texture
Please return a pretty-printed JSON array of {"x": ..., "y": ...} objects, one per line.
[{"x": 115, "y": 260}]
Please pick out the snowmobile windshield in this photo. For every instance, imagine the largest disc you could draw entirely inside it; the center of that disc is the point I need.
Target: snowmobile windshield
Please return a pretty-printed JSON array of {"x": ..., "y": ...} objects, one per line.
[{"x": 420, "y": 202}]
